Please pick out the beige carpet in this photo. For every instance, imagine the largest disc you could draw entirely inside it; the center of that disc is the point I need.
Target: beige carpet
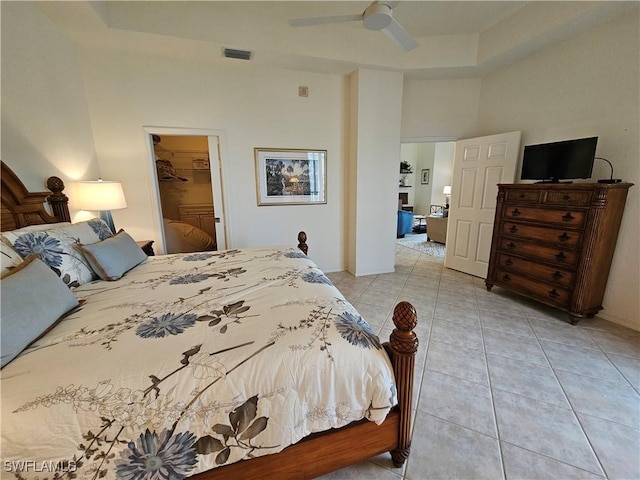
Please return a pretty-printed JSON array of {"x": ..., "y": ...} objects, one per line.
[{"x": 418, "y": 241}]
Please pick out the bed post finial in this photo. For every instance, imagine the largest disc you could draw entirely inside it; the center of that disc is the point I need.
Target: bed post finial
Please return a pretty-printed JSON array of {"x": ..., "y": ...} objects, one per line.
[
  {"x": 404, "y": 345},
  {"x": 302, "y": 242},
  {"x": 58, "y": 200}
]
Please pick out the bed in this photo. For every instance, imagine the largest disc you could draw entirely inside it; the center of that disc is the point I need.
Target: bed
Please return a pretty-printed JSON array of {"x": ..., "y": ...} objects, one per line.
[{"x": 242, "y": 363}]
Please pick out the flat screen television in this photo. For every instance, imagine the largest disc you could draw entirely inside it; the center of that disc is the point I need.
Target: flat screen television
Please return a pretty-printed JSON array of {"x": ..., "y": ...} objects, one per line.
[{"x": 552, "y": 162}]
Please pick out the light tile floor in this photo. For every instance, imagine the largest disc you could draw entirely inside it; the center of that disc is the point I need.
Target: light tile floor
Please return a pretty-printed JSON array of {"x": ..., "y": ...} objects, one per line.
[{"x": 504, "y": 387}]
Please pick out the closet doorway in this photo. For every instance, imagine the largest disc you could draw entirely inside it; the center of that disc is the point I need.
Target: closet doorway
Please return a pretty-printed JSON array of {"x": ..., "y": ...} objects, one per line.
[{"x": 188, "y": 182}]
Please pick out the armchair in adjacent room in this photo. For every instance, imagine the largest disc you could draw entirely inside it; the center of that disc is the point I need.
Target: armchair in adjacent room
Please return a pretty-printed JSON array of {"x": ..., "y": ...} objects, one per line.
[{"x": 405, "y": 223}]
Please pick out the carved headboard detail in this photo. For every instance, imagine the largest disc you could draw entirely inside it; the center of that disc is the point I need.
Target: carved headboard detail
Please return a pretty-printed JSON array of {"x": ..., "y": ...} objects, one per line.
[{"x": 21, "y": 208}]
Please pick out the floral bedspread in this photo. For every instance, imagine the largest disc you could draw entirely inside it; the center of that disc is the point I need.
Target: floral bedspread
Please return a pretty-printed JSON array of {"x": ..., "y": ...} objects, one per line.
[{"x": 189, "y": 362}]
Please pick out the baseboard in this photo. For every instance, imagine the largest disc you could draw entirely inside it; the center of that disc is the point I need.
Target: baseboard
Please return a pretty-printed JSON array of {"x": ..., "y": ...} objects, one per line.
[{"x": 620, "y": 321}]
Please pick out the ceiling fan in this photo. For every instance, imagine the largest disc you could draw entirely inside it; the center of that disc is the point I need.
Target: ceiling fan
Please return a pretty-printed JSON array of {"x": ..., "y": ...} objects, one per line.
[{"x": 377, "y": 16}]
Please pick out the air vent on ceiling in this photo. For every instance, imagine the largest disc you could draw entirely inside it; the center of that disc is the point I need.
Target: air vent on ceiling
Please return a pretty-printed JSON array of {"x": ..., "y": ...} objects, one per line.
[{"x": 239, "y": 54}]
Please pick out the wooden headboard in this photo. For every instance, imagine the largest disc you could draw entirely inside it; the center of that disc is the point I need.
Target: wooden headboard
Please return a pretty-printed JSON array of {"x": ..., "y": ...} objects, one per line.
[{"x": 21, "y": 208}]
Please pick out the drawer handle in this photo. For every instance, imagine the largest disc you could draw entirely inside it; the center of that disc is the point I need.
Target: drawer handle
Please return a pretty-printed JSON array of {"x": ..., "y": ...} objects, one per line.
[
  {"x": 513, "y": 229},
  {"x": 506, "y": 278},
  {"x": 553, "y": 293},
  {"x": 511, "y": 245},
  {"x": 561, "y": 257},
  {"x": 557, "y": 275},
  {"x": 508, "y": 262},
  {"x": 566, "y": 197},
  {"x": 564, "y": 237},
  {"x": 568, "y": 217},
  {"x": 515, "y": 212}
]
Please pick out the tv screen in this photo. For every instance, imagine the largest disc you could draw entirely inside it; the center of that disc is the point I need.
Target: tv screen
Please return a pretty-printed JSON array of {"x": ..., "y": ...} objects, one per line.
[{"x": 559, "y": 160}]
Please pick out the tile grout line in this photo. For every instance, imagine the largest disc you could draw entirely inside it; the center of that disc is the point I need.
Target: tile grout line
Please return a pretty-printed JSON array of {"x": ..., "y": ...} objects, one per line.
[
  {"x": 584, "y": 433},
  {"x": 493, "y": 403},
  {"x": 424, "y": 369}
]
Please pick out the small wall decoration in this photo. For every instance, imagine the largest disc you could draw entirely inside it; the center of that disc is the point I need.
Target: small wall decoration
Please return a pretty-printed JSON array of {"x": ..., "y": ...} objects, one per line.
[
  {"x": 290, "y": 176},
  {"x": 424, "y": 179}
]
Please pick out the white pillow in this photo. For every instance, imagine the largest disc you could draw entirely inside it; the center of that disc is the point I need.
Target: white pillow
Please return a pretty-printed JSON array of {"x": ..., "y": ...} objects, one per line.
[{"x": 9, "y": 258}]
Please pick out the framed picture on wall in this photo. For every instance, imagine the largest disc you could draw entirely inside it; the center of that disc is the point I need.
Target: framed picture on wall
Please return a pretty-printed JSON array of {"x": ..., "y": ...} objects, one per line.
[
  {"x": 290, "y": 176},
  {"x": 424, "y": 178}
]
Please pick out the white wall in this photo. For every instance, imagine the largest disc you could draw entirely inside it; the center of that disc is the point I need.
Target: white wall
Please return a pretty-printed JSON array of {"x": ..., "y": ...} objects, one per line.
[
  {"x": 585, "y": 86},
  {"x": 253, "y": 106},
  {"x": 443, "y": 170},
  {"x": 46, "y": 129},
  {"x": 376, "y": 101},
  {"x": 440, "y": 109}
]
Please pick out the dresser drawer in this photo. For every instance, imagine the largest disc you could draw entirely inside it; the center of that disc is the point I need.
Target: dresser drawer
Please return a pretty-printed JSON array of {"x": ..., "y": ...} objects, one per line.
[
  {"x": 568, "y": 197},
  {"x": 547, "y": 293},
  {"x": 563, "y": 278},
  {"x": 559, "y": 256},
  {"x": 524, "y": 196},
  {"x": 569, "y": 217},
  {"x": 571, "y": 238}
]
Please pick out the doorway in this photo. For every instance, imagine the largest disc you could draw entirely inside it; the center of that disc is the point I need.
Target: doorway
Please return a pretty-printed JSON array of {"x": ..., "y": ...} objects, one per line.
[
  {"x": 187, "y": 174},
  {"x": 421, "y": 191}
]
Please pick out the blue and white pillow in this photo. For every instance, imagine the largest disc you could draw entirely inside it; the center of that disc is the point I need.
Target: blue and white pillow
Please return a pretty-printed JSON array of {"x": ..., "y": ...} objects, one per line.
[{"x": 59, "y": 248}]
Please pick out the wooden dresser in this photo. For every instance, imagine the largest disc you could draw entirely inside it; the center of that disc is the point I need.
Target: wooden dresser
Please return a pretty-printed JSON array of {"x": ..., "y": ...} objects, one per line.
[{"x": 554, "y": 242}]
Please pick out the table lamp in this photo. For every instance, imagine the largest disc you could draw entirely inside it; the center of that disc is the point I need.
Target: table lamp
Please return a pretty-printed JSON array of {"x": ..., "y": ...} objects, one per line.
[
  {"x": 102, "y": 196},
  {"x": 447, "y": 192}
]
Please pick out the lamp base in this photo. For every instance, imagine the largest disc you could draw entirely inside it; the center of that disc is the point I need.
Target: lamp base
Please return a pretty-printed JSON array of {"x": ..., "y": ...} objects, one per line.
[{"x": 105, "y": 215}]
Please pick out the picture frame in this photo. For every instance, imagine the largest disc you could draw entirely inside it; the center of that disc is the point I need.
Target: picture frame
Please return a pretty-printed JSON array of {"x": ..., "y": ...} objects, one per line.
[
  {"x": 424, "y": 177},
  {"x": 290, "y": 176}
]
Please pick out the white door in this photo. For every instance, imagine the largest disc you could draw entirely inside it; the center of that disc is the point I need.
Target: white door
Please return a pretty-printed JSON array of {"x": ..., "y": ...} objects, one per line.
[
  {"x": 479, "y": 165},
  {"x": 218, "y": 201}
]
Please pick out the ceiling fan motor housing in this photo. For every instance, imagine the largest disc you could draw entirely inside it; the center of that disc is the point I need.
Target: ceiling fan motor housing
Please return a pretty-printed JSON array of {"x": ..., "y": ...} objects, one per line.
[{"x": 377, "y": 16}]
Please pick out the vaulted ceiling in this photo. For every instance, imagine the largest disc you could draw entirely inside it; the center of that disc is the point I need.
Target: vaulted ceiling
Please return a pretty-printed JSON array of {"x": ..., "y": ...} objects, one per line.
[{"x": 455, "y": 38}]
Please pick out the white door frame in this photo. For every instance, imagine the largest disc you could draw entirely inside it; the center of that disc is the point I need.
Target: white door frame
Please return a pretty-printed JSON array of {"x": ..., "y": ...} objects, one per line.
[{"x": 217, "y": 150}]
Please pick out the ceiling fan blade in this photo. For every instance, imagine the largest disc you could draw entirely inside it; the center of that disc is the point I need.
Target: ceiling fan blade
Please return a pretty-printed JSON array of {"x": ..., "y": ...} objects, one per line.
[
  {"x": 391, "y": 4},
  {"x": 400, "y": 36},
  {"x": 306, "y": 22}
]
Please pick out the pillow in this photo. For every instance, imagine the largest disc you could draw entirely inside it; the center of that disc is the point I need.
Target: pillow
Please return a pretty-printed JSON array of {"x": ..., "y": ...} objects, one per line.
[
  {"x": 181, "y": 237},
  {"x": 58, "y": 247},
  {"x": 33, "y": 300},
  {"x": 115, "y": 256},
  {"x": 41, "y": 227},
  {"x": 9, "y": 258}
]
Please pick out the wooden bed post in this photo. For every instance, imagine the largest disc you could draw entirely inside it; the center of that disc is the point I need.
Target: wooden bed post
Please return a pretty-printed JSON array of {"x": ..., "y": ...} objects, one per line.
[
  {"x": 302, "y": 242},
  {"x": 404, "y": 345},
  {"x": 58, "y": 200}
]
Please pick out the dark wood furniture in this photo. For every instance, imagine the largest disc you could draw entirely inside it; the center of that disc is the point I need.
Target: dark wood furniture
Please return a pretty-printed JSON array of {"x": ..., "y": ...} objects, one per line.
[
  {"x": 554, "y": 242},
  {"x": 147, "y": 247},
  {"x": 316, "y": 454}
]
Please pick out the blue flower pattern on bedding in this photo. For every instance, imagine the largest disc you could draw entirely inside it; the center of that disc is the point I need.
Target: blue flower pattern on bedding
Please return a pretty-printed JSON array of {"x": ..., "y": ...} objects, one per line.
[
  {"x": 157, "y": 457},
  {"x": 295, "y": 255},
  {"x": 145, "y": 429},
  {"x": 356, "y": 331},
  {"x": 42, "y": 244},
  {"x": 189, "y": 278},
  {"x": 196, "y": 257},
  {"x": 315, "y": 276},
  {"x": 165, "y": 325}
]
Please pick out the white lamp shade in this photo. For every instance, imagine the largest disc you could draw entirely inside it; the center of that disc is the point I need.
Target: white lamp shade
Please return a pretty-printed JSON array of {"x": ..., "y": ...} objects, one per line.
[
  {"x": 446, "y": 190},
  {"x": 100, "y": 195}
]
